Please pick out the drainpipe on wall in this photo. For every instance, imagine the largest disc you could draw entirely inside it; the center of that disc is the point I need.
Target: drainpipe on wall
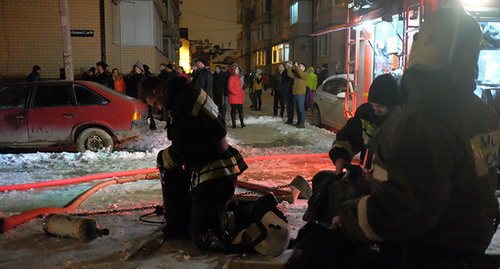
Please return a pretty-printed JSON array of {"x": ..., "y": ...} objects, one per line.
[{"x": 103, "y": 30}]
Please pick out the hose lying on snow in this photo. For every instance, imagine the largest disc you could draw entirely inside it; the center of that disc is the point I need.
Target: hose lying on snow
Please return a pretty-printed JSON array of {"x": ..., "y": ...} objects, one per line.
[
  {"x": 75, "y": 180},
  {"x": 13, "y": 221},
  {"x": 126, "y": 176}
]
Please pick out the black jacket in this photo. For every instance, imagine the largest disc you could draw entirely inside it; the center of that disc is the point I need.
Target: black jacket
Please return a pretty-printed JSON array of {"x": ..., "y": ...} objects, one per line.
[
  {"x": 204, "y": 79},
  {"x": 105, "y": 79}
]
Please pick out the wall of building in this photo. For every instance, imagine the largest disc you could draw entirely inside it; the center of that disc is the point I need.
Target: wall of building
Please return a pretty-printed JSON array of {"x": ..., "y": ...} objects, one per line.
[{"x": 30, "y": 34}]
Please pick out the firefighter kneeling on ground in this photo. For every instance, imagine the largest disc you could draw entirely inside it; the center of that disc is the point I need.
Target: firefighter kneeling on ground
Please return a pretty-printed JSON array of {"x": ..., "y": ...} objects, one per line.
[
  {"x": 433, "y": 202},
  {"x": 198, "y": 175}
]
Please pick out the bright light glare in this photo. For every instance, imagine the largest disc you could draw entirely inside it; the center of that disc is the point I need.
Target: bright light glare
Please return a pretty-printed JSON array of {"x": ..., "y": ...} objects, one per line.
[{"x": 475, "y": 3}]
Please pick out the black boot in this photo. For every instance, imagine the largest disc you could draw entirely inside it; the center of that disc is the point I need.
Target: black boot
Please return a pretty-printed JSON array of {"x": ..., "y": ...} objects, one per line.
[{"x": 241, "y": 121}]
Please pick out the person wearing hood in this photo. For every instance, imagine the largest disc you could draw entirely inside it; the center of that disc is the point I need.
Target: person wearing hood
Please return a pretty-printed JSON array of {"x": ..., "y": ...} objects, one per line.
[
  {"x": 312, "y": 83},
  {"x": 133, "y": 84},
  {"x": 433, "y": 201},
  {"x": 103, "y": 76},
  {"x": 89, "y": 75},
  {"x": 236, "y": 95}
]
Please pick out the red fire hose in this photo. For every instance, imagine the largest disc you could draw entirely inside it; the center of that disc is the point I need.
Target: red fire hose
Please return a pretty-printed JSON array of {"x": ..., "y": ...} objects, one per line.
[{"x": 125, "y": 176}]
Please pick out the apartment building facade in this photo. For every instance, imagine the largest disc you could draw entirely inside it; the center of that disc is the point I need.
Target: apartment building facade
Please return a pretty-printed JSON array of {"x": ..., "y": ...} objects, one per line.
[
  {"x": 280, "y": 31},
  {"x": 117, "y": 32}
]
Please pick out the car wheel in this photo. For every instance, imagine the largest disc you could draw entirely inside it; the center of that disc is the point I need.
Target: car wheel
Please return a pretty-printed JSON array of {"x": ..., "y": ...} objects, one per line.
[
  {"x": 316, "y": 116},
  {"x": 94, "y": 139}
]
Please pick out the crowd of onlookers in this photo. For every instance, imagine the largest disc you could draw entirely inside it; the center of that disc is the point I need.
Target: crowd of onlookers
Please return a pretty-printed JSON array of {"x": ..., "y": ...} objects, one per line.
[{"x": 292, "y": 86}]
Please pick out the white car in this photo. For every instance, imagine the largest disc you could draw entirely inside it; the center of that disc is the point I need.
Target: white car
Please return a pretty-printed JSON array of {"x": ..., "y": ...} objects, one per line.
[{"x": 328, "y": 106}]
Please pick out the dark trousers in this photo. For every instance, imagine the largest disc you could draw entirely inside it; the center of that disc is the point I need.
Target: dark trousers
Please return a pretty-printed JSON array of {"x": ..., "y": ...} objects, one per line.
[
  {"x": 289, "y": 110},
  {"x": 258, "y": 99},
  {"x": 278, "y": 101},
  {"x": 237, "y": 108},
  {"x": 197, "y": 211}
]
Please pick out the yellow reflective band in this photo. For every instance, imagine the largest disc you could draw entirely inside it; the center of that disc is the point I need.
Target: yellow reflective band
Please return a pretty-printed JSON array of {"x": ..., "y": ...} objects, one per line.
[
  {"x": 211, "y": 109},
  {"x": 168, "y": 163},
  {"x": 343, "y": 144},
  {"x": 363, "y": 220},
  {"x": 380, "y": 173},
  {"x": 200, "y": 101}
]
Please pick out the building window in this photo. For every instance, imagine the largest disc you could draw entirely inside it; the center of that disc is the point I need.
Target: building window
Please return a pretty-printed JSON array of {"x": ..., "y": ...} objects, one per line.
[
  {"x": 261, "y": 32},
  {"x": 323, "y": 45},
  {"x": 294, "y": 13},
  {"x": 141, "y": 24},
  {"x": 254, "y": 37},
  {"x": 259, "y": 57},
  {"x": 280, "y": 53},
  {"x": 277, "y": 25}
]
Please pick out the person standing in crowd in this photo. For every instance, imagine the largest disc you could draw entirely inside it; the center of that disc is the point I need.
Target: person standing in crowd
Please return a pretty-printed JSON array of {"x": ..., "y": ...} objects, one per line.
[
  {"x": 278, "y": 92},
  {"x": 287, "y": 88},
  {"x": 312, "y": 83},
  {"x": 323, "y": 74},
  {"x": 198, "y": 172},
  {"x": 35, "y": 74},
  {"x": 89, "y": 75},
  {"x": 119, "y": 81},
  {"x": 167, "y": 72},
  {"x": 219, "y": 87},
  {"x": 251, "y": 93},
  {"x": 265, "y": 81},
  {"x": 103, "y": 76},
  {"x": 182, "y": 73},
  {"x": 133, "y": 83},
  {"x": 236, "y": 95},
  {"x": 433, "y": 200},
  {"x": 257, "y": 86},
  {"x": 203, "y": 77},
  {"x": 297, "y": 72}
]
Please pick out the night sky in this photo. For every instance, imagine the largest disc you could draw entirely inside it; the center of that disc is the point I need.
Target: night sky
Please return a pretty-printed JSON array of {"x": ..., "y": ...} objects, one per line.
[{"x": 214, "y": 20}]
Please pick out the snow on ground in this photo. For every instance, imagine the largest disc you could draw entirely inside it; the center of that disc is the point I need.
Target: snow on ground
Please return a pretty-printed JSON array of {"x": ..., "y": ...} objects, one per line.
[{"x": 29, "y": 246}]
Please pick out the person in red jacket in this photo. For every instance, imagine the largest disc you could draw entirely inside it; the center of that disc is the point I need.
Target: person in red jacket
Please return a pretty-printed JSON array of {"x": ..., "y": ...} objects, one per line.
[{"x": 236, "y": 95}]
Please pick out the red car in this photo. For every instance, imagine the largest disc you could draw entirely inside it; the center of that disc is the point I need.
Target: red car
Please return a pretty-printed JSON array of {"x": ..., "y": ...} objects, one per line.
[{"x": 50, "y": 114}]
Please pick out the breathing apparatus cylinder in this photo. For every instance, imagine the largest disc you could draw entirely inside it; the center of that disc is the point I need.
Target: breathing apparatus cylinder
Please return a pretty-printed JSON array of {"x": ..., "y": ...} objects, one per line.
[{"x": 73, "y": 227}]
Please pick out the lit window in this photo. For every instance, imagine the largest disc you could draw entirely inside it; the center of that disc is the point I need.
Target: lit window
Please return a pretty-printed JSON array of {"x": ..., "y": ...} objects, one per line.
[
  {"x": 294, "y": 13},
  {"x": 280, "y": 53}
]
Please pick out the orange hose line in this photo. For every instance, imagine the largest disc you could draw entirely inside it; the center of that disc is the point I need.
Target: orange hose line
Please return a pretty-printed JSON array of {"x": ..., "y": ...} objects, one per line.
[
  {"x": 82, "y": 179},
  {"x": 126, "y": 176},
  {"x": 15, "y": 220}
]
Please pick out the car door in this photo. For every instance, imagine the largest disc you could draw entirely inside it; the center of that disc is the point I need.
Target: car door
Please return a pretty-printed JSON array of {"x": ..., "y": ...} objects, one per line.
[
  {"x": 331, "y": 107},
  {"x": 53, "y": 114},
  {"x": 14, "y": 114}
]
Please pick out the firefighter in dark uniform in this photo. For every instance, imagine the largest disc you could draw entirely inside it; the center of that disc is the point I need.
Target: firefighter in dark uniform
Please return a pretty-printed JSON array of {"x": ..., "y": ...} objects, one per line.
[{"x": 199, "y": 170}]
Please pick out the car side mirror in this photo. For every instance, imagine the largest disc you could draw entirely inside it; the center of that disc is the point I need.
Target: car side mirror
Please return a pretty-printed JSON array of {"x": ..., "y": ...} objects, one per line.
[{"x": 341, "y": 95}]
